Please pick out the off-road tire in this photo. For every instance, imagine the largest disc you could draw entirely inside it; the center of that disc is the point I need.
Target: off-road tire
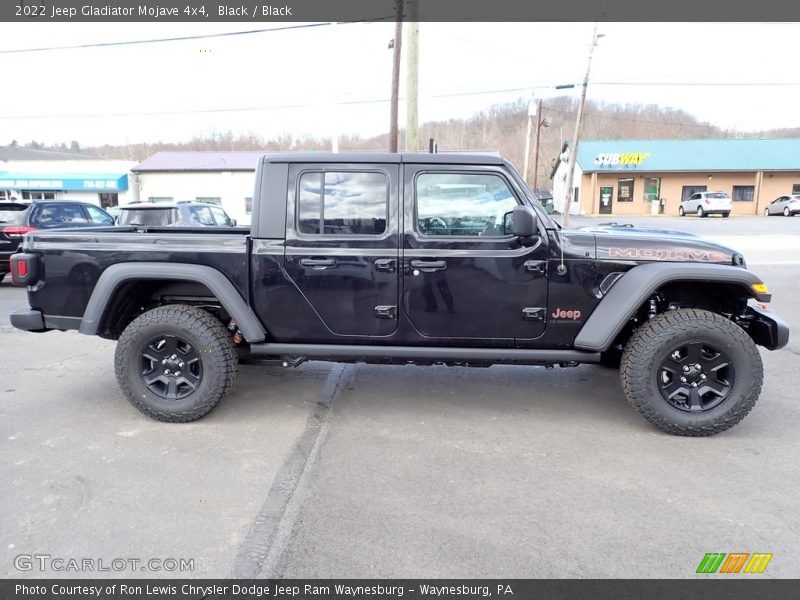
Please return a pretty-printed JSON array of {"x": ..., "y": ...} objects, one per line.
[
  {"x": 209, "y": 339},
  {"x": 653, "y": 342}
]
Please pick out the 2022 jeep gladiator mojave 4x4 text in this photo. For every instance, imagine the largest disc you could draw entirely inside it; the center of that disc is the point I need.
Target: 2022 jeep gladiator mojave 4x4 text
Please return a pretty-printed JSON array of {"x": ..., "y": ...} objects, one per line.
[{"x": 407, "y": 258}]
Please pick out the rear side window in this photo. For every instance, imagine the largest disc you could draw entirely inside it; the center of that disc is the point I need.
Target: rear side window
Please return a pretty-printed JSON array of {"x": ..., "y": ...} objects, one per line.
[
  {"x": 153, "y": 217},
  {"x": 342, "y": 203},
  {"x": 718, "y": 195}
]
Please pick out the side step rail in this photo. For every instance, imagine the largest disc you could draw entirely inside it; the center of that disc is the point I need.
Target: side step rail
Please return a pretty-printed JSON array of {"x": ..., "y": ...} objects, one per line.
[{"x": 427, "y": 353}]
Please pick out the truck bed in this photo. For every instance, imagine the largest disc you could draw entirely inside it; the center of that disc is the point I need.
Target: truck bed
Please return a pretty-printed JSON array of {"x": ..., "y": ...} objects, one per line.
[{"x": 73, "y": 260}]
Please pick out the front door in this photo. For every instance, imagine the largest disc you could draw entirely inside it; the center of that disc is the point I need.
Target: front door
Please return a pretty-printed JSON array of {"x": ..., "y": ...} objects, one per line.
[
  {"x": 606, "y": 200},
  {"x": 464, "y": 277},
  {"x": 342, "y": 250}
]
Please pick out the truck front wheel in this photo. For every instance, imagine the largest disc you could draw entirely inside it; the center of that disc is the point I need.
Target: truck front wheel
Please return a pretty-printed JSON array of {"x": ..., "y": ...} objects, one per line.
[
  {"x": 175, "y": 363},
  {"x": 691, "y": 372}
]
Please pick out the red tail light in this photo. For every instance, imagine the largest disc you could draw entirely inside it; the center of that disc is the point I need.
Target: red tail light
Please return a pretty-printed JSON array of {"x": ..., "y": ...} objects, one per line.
[
  {"x": 24, "y": 268},
  {"x": 15, "y": 231}
]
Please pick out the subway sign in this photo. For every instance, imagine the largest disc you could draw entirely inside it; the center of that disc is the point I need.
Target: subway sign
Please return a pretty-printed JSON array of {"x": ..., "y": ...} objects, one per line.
[{"x": 613, "y": 159}]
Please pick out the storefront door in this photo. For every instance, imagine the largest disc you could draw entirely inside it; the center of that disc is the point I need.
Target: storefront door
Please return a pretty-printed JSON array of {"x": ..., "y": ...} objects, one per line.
[{"x": 606, "y": 200}]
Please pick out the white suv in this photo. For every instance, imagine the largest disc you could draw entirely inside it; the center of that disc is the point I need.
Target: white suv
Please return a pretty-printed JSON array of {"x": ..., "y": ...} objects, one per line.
[{"x": 707, "y": 203}]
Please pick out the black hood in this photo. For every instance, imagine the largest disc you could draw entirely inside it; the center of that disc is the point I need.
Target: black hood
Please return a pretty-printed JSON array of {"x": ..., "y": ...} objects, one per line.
[{"x": 641, "y": 244}]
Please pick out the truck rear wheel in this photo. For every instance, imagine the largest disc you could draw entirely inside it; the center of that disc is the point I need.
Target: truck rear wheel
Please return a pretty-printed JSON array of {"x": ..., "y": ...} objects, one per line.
[
  {"x": 175, "y": 363},
  {"x": 691, "y": 372}
]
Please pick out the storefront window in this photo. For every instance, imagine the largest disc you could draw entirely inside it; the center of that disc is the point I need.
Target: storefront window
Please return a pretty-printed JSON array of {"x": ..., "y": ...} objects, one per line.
[
  {"x": 743, "y": 193},
  {"x": 34, "y": 196},
  {"x": 625, "y": 190}
]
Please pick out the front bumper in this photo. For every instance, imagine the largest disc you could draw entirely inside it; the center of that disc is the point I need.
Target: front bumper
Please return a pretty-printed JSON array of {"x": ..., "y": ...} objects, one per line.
[
  {"x": 766, "y": 328},
  {"x": 28, "y": 320}
]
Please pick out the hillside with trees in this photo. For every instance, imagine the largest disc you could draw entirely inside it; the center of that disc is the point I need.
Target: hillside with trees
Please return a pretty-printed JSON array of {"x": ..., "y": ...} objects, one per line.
[{"x": 500, "y": 127}]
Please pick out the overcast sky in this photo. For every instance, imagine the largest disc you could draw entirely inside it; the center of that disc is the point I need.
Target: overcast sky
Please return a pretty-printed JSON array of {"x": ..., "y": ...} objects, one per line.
[{"x": 319, "y": 80}]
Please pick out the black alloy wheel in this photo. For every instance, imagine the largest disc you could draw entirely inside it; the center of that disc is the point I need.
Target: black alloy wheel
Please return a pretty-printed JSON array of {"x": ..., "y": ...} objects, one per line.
[
  {"x": 170, "y": 367},
  {"x": 695, "y": 377}
]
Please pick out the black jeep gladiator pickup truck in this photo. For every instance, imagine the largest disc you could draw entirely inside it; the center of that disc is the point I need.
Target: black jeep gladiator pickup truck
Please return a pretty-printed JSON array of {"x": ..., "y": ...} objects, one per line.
[{"x": 407, "y": 258}]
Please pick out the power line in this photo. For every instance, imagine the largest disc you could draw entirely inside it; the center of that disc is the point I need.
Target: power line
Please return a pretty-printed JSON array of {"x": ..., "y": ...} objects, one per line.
[
  {"x": 611, "y": 118},
  {"x": 187, "y": 37},
  {"x": 700, "y": 83},
  {"x": 156, "y": 113},
  {"x": 244, "y": 108}
]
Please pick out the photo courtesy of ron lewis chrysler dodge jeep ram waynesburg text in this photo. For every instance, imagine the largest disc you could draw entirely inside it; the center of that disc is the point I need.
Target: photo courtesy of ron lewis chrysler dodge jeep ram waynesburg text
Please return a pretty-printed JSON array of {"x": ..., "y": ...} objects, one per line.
[{"x": 407, "y": 258}]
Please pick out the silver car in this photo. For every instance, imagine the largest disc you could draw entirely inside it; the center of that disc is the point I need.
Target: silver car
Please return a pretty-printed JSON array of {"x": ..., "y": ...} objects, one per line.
[
  {"x": 788, "y": 206},
  {"x": 707, "y": 203}
]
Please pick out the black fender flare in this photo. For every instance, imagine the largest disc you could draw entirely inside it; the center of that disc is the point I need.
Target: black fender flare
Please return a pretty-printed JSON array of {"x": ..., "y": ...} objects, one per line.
[
  {"x": 110, "y": 280},
  {"x": 639, "y": 283}
]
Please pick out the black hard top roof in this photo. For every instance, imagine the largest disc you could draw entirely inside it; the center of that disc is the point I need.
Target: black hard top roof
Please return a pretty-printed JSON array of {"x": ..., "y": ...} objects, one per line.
[{"x": 441, "y": 158}]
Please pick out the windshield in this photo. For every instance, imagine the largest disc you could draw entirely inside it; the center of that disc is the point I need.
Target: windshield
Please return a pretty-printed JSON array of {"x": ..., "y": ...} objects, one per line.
[{"x": 147, "y": 216}]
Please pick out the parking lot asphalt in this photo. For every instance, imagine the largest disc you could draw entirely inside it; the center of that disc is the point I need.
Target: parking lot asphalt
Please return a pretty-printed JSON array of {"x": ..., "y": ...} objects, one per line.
[{"x": 333, "y": 470}]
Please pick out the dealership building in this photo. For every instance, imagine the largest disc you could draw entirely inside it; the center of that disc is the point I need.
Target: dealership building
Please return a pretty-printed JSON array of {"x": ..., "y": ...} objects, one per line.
[
  {"x": 28, "y": 175},
  {"x": 634, "y": 177},
  {"x": 223, "y": 178}
]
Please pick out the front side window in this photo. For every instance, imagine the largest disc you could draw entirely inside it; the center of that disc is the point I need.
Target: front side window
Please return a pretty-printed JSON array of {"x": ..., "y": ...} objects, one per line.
[
  {"x": 220, "y": 216},
  {"x": 342, "y": 203},
  {"x": 462, "y": 204},
  {"x": 98, "y": 216},
  {"x": 201, "y": 215}
]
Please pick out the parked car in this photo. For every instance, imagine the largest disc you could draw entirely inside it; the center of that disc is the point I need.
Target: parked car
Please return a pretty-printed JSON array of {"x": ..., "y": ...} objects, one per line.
[
  {"x": 17, "y": 219},
  {"x": 788, "y": 206},
  {"x": 174, "y": 214},
  {"x": 707, "y": 203}
]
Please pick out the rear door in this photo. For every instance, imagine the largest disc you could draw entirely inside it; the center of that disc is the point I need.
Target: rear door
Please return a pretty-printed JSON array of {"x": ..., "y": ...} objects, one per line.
[{"x": 341, "y": 248}]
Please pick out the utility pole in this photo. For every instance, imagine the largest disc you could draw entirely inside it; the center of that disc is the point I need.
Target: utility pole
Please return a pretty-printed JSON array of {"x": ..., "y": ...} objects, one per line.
[
  {"x": 531, "y": 114},
  {"x": 412, "y": 77},
  {"x": 396, "y": 45},
  {"x": 573, "y": 155},
  {"x": 540, "y": 122}
]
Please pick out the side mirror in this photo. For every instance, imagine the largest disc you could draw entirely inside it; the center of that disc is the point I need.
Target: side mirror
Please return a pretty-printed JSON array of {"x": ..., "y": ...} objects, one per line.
[
  {"x": 233, "y": 222},
  {"x": 521, "y": 222}
]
